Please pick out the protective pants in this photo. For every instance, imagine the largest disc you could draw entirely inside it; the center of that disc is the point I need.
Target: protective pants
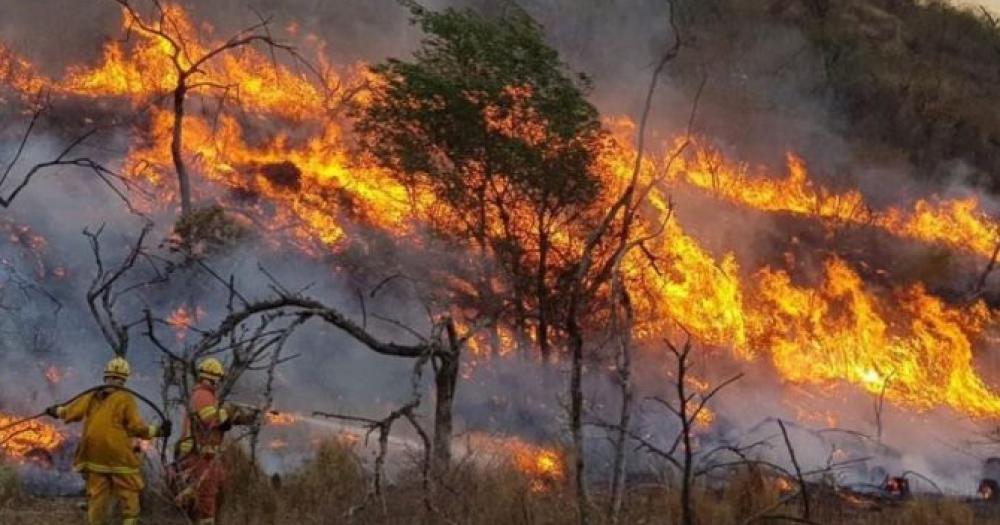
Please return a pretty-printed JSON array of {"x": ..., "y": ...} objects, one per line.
[
  {"x": 204, "y": 475},
  {"x": 102, "y": 489}
]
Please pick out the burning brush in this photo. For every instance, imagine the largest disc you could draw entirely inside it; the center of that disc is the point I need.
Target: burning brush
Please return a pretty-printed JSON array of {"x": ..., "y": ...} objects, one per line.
[
  {"x": 310, "y": 182},
  {"x": 26, "y": 439}
]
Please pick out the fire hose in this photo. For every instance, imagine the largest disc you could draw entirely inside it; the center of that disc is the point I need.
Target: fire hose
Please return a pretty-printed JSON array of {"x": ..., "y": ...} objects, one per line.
[{"x": 144, "y": 399}]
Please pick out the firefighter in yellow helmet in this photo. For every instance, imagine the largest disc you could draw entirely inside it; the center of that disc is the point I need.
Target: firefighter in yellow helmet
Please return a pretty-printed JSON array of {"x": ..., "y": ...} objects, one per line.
[
  {"x": 106, "y": 456},
  {"x": 201, "y": 472}
]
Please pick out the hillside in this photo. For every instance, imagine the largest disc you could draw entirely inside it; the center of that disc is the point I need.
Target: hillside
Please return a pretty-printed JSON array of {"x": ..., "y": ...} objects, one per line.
[
  {"x": 689, "y": 262},
  {"x": 917, "y": 78}
]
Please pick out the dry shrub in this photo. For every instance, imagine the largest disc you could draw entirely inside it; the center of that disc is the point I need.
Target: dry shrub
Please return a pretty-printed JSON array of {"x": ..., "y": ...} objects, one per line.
[
  {"x": 248, "y": 496},
  {"x": 325, "y": 487},
  {"x": 472, "y": 493},
  {"x": 924, "y": 512},
  {"x": 10, "y": 487},
  {"x": 206, "y": 231},
  {"x": 744, "y": 492},
  {"x": 748, "y": 491}
]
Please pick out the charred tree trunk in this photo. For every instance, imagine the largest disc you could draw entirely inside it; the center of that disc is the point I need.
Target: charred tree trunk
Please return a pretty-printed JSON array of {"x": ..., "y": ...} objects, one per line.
[
  {"x": 542, "y": 334},
  {"x": 625, "y": 418},
  {"x": 177, "y": 149},
  {"x": 522, "y": 341},
  {"x": 576, "y": 415},
  {"x": 445, "y": 382},
  {"x": 687, "y": 465}
]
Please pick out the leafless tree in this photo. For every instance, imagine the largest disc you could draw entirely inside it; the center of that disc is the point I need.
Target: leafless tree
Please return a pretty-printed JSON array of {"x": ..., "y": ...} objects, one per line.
[
  {"x": 692, "y": 464},
  {"x": 880, "y": 408},
  {"x": 979, "y": 288},
  {"x": 109, "y": 286},
  {"x": 66, "y": 158},
  {"x": 191, "y": 72},
  {"x": 687, "y": 407},
  {"x": 384, "y": 428},
  {"x": 252, "y": 331},
  {"x": 593, "y": 269},
  {"x": 988, "y": 17},
  {"x": 622, "y": 318}
]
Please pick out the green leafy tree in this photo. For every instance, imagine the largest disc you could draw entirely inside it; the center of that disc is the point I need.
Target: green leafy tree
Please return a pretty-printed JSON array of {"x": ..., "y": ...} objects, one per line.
[{"x": 488, "y": 119}]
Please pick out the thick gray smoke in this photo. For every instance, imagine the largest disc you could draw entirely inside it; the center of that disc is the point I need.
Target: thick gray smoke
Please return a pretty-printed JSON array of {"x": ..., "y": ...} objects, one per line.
[{"x": 760, "y": 101}]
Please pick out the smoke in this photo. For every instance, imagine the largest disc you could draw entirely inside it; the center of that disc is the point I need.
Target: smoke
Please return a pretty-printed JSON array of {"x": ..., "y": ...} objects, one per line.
[{"x": 762, "y": 98}]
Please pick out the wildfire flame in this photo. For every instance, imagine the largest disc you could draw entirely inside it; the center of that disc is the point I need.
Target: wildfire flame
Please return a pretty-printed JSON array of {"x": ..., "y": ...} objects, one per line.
[
  {"x": 21, "y": 440},
  {"x": 783, "y": 485},
  {"x": 183, "y": 318},
  {"x": 905, "y": 343},
  {"x": 544, "y": 467},
  {"x": 960, "y": 223}
]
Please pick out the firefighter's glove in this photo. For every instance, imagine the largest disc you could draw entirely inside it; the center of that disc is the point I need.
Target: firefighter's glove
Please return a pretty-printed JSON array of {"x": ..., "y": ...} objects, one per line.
[
  {"x": 184, "y": 497},
  {"x": 53, "y": 411},
  {"x": 256, "y": 416},
  {"x": 165, "y": 428}
]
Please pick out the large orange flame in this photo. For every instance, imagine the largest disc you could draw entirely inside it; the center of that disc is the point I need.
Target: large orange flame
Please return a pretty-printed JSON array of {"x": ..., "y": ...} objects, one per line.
[
  {"x": 544, "y": 467},
  {"x": 960, "y": 224},
  {"x": 21, "y": 440},
  {"x": 284, "y": 159}
]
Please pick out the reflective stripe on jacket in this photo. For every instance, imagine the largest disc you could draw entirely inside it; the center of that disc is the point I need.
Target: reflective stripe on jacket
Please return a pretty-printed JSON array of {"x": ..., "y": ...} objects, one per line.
[{"x": 206, "y": 422}]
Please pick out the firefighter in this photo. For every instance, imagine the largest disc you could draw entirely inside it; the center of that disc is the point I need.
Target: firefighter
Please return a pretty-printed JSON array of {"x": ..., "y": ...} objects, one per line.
[
  {"x": 201, "y": 472},
  {"x": 106, "y": 456}
]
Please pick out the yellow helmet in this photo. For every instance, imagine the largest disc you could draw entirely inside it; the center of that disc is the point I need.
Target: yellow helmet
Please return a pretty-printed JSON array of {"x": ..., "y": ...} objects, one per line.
[
  {"x": 211, "y": 368},
  {"x": 117, "y": 367}
]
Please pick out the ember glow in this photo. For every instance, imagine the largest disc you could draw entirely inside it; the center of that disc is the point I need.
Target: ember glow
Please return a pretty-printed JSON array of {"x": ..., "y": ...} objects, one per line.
[
  {"x": 183, "y": 318},
  {"x": 53, "y": 374},
  {"x": 783, "y": 485},
  {"x": 305, "y": 181}
]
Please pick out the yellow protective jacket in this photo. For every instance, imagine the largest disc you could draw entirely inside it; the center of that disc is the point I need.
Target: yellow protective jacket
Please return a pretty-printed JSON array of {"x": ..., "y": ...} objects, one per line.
[{"x": 111, "y": 421}]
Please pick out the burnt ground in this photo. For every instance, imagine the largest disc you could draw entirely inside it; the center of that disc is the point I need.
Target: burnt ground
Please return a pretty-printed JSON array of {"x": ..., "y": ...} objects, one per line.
[
  {"x": 920, "y": 510},
  {"x": 37, "y": 511}
]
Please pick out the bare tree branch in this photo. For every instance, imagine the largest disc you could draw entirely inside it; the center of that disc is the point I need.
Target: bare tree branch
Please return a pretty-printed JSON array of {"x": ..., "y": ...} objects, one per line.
[
  {"x": 187, "y": 67},
  {"x": 803, "y": 487},
  {"x": 100, "y": 295}
]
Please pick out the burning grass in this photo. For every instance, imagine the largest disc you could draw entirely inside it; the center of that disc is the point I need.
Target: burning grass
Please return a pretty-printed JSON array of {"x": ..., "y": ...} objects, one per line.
[
  {"x": 27, "y": 439},
  {"x": 306, "y": 179},
  {"x": 905, "y": 344}
]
